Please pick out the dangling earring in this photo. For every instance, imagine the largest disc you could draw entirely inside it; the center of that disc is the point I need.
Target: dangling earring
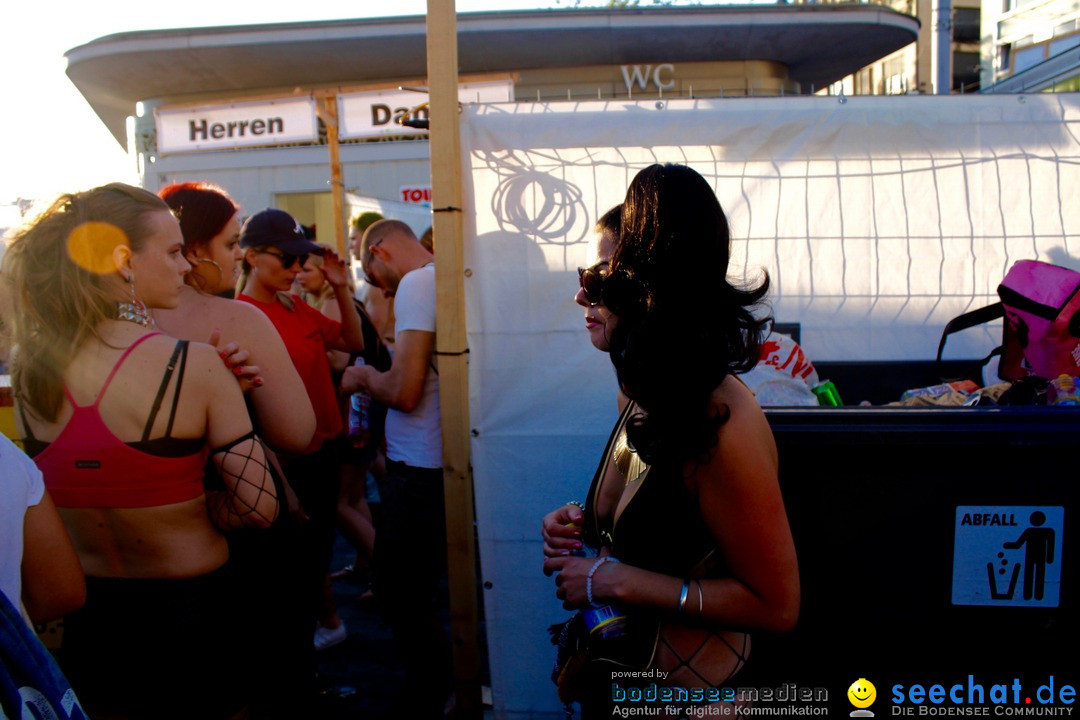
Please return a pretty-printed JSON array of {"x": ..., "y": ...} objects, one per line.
[{"x": 134, "y": 311}]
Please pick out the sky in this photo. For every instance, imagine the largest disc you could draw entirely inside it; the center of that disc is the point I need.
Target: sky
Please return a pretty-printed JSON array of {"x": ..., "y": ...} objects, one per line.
[{"x": 52, "y": 142}]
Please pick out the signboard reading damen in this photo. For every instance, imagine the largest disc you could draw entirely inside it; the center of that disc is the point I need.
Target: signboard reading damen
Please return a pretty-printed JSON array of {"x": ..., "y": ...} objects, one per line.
[
  {"x": 221, "y": 127},
  {"x": 380, "y": 112}
]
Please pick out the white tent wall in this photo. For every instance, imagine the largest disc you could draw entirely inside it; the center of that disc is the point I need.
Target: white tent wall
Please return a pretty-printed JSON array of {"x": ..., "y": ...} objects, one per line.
[
  {"x": 877, "y": 218},
  {"x": 417, "y": 217}
]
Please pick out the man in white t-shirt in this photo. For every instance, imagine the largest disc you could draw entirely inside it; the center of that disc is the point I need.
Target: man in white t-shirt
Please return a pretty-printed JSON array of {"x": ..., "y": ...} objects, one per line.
[{"x": 410, "y": 545}]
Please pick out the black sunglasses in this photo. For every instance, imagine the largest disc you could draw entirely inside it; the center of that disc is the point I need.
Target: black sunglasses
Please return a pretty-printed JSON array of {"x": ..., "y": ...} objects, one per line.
[
  {"x": 287, "y": 259},
  {"x": 366, "y": 260},
  {"x": 592, "y": 282}
]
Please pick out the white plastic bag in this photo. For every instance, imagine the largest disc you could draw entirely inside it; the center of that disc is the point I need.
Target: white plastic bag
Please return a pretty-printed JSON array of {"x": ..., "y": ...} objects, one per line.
[{"x": 783, "y": 375}]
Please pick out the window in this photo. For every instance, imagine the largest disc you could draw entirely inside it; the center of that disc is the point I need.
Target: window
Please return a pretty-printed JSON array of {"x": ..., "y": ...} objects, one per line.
[
  {"x": 1027, "y": 57},
  {"x": 965, "y": 26}
]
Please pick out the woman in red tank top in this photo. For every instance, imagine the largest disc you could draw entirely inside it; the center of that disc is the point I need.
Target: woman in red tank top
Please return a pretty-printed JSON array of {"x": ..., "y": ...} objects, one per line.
[{"x": 122, "y": 419}]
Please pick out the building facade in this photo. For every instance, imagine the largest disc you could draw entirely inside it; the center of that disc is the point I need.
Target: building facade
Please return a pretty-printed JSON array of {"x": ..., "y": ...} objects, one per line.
[
  {"x": 1031, "y": 46},
  {"x": 252, "y": 107},
  {"x": 910, "y": 69}
]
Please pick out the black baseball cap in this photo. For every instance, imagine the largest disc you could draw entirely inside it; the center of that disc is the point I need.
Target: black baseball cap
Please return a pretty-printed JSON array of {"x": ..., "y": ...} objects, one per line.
[{"x": 277, "y": 228}]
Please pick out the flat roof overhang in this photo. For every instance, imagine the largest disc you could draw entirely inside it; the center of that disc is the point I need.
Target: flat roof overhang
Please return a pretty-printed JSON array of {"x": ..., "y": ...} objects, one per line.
[{"x": 819, "y": 44}]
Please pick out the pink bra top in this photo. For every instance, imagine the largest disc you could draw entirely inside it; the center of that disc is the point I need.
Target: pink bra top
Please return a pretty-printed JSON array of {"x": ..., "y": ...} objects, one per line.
[{"x": 88, "y": 466}]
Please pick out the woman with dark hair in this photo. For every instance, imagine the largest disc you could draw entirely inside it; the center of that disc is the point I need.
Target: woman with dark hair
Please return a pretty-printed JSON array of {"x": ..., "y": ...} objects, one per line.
[
  {"x": 121, "y": 419},
  {"x": 685, "y": 508},
  {"x": 209, "y": 221}
]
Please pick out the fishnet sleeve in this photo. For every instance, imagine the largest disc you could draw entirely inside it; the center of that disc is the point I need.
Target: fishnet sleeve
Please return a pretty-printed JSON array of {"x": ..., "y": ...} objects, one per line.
[{"x": 249, "y": 497}]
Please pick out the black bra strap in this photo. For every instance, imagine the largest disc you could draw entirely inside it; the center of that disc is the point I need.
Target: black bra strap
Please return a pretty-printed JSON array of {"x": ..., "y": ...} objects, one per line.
[
  {"x": 230, "y": 445},
  {"x": 179, "y": 382},
  {"x": 180, "y": 344}
]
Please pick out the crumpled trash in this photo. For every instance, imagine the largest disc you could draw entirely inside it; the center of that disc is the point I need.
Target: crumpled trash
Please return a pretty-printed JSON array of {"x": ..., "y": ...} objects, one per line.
[{"x": 990, "y": 395}]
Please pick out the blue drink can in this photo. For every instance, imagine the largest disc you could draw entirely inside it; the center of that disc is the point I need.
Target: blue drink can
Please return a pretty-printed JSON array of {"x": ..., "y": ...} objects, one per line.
[{"x": 605, "y": 621}]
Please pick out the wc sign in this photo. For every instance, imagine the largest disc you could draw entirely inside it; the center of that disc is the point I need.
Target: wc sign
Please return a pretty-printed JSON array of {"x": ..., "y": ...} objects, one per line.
[{"x": 1008, "y": 555}]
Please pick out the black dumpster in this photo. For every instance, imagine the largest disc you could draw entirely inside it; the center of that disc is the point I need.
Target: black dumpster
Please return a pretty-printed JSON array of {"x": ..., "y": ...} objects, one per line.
[{"x": 877, "y": 499}]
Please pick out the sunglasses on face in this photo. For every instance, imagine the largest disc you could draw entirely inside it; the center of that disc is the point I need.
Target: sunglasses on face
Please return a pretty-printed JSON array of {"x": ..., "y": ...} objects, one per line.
[
  {"x": 287, "y": 259},
  {"x": 592, "y": 282}
]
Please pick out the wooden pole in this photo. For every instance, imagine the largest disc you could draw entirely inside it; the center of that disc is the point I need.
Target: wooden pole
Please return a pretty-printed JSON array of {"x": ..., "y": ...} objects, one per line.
[
  {"x": 450, "y": 344},
  {"x": 326, "y": 107}
]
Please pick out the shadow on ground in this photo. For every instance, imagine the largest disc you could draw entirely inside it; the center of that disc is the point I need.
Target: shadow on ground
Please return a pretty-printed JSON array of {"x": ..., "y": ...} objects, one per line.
[{"x": 361, "y": 678}]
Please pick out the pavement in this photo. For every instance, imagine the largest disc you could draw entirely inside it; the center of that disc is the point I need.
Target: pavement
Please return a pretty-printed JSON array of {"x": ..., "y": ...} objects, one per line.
[{"x": 361, "y": 677}]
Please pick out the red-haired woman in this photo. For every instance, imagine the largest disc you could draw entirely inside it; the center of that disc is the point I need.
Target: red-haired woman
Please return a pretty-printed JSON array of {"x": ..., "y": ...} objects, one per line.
[{"x": 209, "y": 220}]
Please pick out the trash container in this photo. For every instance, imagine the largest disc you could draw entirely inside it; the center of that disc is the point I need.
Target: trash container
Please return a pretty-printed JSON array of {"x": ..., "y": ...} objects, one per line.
[{"x": 911, "y": 525}]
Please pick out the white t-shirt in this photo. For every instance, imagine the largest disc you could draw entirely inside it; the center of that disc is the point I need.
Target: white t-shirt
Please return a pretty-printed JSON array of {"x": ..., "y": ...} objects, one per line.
[
  {"x": 21, "y": 487},
  {"x": 415, "y": 438}
]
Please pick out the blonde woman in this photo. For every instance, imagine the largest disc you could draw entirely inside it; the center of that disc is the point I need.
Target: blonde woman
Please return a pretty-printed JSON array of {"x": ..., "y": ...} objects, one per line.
[
  {"x": 121, "y": 419},
  {"x": 353, "y": 512},
  {"x": 319, "y": 294}
]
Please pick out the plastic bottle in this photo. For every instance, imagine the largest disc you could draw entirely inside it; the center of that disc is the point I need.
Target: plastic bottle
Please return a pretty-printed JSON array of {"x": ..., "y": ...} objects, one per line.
[
  {"x": 1062, "y": 391},
  {"x": 359, "y": 417},
  {"x": 603, "y": 620}
]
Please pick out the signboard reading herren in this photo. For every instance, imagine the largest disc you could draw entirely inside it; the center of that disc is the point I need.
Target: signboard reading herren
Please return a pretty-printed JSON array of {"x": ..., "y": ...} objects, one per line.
[{"x": 247, "y": 124}]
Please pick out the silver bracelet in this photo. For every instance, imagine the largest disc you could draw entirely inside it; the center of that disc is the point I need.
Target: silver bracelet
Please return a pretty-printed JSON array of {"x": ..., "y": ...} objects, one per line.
[
  {"x": 580, "y": 506},
  {"x": 700, "y": 599},
  {"x": 682, "y": 597},
  {"x": 588, "y": 578}
]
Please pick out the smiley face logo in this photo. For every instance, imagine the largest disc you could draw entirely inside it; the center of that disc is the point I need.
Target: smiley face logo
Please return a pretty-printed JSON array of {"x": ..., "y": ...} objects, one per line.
[{"x": 862, "y": 693}]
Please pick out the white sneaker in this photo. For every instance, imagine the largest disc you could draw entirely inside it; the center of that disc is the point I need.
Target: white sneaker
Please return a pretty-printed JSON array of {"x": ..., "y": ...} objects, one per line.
[{"x": 329, "y": 637}]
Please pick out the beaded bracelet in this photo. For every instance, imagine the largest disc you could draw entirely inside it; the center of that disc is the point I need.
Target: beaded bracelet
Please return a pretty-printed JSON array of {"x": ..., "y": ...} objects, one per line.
[
  {"x": 588, "y": 578},
  {"x": 580, "y": 506}
]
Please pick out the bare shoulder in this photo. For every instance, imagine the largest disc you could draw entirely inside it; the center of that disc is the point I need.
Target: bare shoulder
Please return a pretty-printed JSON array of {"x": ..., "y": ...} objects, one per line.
[
  {"x": 733, "y": 394},
  {"x": 239, "y": 322},
  {"x": 747, "y": 429},
  {"x": 198, "y": 315},
  {"x": 204, "y": 363},
  {"x": 241, "y": 317}
]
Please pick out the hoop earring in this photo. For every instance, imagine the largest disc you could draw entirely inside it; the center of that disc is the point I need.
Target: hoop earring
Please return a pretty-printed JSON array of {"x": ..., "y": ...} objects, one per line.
[
  {"x": 134, "y": 311},
  {"x": 221, "y": 271}
]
